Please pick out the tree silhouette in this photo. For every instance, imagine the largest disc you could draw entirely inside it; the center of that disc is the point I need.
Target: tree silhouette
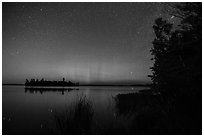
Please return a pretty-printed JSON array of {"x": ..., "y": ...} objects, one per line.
[
  {"x": 177, "y": 69},
  {"x": 43, "y": 82},
  {"x": 177, "y": 54},
  {"x": 160, "y": 48}
]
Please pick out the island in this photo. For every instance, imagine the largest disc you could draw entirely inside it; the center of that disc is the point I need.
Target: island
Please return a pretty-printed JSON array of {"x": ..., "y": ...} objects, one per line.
[{"x": 46, "y": 83}]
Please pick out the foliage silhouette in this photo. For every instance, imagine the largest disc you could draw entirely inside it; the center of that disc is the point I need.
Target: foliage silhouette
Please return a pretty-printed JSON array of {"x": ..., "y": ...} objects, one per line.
[
  {"x": 75, "y": 121},
  {"x": 177, "y": 70},
  {"x": 43, "y": 82},
  {"x": 177, "y": 54},
  {"x": 176, "y": 108},
  {"x": 153, "y": 114}
]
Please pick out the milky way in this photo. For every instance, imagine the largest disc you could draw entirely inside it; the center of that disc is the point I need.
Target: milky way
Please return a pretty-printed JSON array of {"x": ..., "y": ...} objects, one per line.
[{"x": 85, "y": 42}]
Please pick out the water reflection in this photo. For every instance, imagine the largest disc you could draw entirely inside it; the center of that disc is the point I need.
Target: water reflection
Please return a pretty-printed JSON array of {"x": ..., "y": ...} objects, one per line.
[
  {"x": 80, "y": 118},
  {"x": 85, "y": 110},
  {"x": 48, "y": 89}
]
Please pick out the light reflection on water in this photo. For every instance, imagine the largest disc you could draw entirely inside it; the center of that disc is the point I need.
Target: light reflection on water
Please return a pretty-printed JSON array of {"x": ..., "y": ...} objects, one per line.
[{"x": 32, "y": 111}]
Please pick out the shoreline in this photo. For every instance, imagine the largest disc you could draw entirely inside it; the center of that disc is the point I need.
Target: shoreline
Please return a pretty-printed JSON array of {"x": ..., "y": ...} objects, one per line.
[{"x": 139, "y": 85}]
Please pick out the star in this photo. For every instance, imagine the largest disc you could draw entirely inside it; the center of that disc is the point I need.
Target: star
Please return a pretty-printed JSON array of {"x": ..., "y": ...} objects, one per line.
[
  {"x": 172, "y": 17},
  {"x": 72, "y": 29}
]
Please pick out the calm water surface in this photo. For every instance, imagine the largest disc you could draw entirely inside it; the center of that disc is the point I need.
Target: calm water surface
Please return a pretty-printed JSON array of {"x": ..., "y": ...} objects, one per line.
[{"x": 32, "y": 112}]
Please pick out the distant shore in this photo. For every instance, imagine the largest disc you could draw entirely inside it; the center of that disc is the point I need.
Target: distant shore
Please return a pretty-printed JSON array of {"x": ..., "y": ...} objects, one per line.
[{"x": 135, "y": 85}]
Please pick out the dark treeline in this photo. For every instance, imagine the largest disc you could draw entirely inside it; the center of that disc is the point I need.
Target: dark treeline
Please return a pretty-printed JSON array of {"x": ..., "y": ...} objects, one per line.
[
  {"x": 173, "y": 105},
  {"x": 43, "y": 82},
  {"x": 177, "y": 51},
  {"x": 177, "y": 70}
]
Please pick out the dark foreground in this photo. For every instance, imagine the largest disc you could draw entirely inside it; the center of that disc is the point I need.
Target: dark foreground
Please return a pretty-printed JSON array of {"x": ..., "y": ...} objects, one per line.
[
  {"x": 157, "y": 114},
  {"x": 150, "y": 114},
  {"x": 133, "y": 113}
]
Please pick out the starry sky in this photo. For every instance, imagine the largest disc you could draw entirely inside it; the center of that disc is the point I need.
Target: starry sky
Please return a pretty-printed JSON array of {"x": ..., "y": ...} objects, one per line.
[{"x": 85, "y": 42}]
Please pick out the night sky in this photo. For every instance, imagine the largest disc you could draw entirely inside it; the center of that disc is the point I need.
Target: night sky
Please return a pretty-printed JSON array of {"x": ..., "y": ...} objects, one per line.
[{"x": 85, "y": 42}]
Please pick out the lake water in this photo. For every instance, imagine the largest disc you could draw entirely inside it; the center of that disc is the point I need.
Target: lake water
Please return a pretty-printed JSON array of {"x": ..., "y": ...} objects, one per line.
[{"x": 33, "y": 112}]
